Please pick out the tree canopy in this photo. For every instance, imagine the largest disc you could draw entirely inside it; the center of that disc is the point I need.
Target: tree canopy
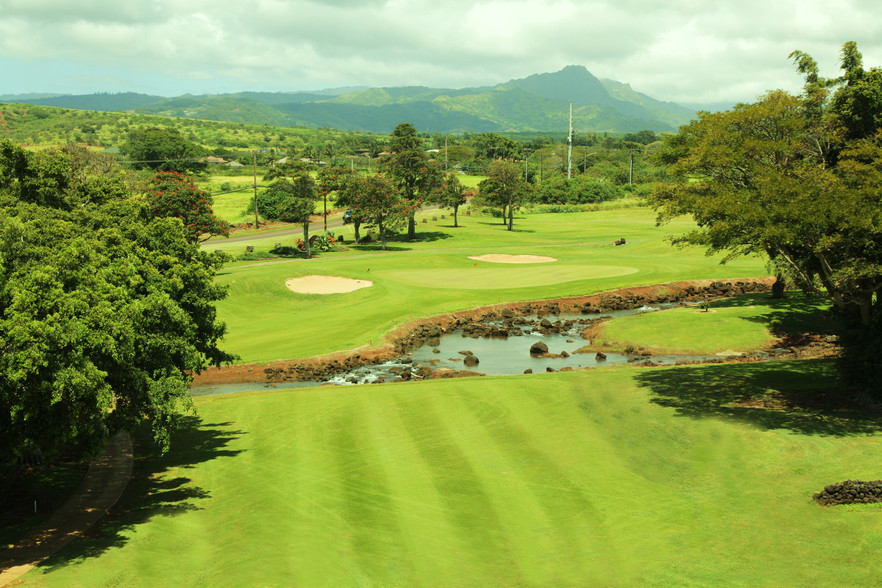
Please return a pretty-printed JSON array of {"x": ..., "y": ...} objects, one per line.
[
  {"x": 410, "y": 169},
  {"x": 106, "y": 311},
  {"x": 452, "y": 194},
  {"x": 504, "y": 187},
  {"x": 796, "y": 178},
  {"x": 163, "y": 149},
  {"x": 376, "y": 201},
  {"x": 174, "y": 195}
]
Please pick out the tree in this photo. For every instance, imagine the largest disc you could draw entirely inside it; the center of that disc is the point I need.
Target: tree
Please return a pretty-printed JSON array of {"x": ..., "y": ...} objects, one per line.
[
  {"x": 343, "y": 183},
  {"x": 491, "y": 146},
  {"x": 174, "y": 195},
  {"x": 377, "y": 201},
  {"x": 504, "y": 187},
  {"x": 163, "y": 149},
  {"x": 411, "y": 171},
  {"x": 796, "y": 178},
  {"x": 106, "y": 312},
  {"x": 452, "y": 194},
  {"x": 580, "y": 189},
  {"x": 292, "y": 201}
]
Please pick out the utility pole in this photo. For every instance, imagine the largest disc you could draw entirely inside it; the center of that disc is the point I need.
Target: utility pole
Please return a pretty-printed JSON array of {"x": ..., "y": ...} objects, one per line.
[
  {"x": 631, "y": 167},
  {"x": 570, "y": 146},
  {"x": 254, "y": 162},
  {"x": 445, "y": 154},
  {"x": 526, "y": 159}
]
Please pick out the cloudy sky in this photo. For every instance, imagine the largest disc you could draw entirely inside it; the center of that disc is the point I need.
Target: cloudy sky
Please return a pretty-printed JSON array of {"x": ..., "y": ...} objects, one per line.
[{"x": 687, "y": 51}]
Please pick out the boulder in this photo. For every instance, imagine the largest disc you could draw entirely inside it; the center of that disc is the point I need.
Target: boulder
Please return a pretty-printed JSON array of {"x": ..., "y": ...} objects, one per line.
[
  {"x": 538, "y": 348},
  {"x": 471, "y": 361},
  {"x": 599, "y": 356}
]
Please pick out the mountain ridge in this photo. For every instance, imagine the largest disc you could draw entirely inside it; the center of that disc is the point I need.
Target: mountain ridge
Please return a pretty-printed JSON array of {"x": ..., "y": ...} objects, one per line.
[{"x": 536, "y": 103}]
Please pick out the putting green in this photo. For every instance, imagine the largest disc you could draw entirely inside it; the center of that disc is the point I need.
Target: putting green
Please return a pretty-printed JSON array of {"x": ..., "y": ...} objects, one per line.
[{"x": 484, "y": 277}]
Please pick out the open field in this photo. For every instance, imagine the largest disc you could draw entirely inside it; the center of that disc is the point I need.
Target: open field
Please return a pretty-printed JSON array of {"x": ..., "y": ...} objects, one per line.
[
  {"x": 624, "y": 477},
  {"x": 434, "y": 275}
]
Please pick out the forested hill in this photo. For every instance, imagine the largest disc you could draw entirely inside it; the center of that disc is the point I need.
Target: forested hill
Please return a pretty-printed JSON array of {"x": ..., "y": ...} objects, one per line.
[{"x": 538, "y": 103}]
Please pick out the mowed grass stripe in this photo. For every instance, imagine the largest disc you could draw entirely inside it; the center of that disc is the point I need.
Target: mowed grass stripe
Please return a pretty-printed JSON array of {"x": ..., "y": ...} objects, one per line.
[
  {"x": 429, "y": 541},
  {"x": 373, "y": 533},
  {"x": 548, "y": 520},
  {"x": 485, "y": 549}
]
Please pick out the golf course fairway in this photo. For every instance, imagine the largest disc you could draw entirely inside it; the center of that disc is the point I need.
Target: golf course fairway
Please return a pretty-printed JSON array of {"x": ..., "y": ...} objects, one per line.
[{"x": 615, "y": 477}]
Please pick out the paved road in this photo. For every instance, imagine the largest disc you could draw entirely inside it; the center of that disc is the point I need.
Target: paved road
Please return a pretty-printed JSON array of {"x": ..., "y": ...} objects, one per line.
[{"x": 333, "y": 223}]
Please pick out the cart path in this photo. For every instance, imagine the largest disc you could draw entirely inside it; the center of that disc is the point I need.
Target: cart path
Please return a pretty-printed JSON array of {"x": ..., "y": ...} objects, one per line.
[{"x": 100, "y": 489}]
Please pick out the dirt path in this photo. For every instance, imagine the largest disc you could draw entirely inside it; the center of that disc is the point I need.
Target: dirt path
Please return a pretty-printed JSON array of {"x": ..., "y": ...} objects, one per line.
[{"x": 100, "y": 489}]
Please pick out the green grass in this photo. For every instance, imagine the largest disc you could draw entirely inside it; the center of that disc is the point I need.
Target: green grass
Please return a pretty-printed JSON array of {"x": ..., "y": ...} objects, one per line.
[
  {"x": 230, "y": 206},
  {"x": 618, "y": 476},
  {"x": 740, "y": 324},
  {"x": 614, "y": 477},
  {"x": 434, "y": 275}
]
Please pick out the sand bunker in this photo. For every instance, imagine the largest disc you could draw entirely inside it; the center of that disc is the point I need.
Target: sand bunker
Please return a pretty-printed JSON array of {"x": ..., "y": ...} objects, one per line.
[
  {"x": 505, "y": 258},
  {"x": 326, "y": 284}
]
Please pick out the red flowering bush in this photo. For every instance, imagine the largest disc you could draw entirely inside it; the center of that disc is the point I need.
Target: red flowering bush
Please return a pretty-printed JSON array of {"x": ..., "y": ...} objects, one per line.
[{"x": 174, "y": 195}]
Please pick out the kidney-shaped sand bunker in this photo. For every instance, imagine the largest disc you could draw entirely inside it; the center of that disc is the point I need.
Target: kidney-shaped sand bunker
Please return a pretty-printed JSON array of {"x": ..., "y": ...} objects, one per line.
[{"x": 325, "y": 284}]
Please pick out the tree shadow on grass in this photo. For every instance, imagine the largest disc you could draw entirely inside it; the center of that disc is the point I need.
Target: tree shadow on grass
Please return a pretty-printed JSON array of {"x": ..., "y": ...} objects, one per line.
[
  {"x": 421, "y": 236},
  {"x": 804, "y": 397},
  {"x": 156, "y": 487},
  {"x": 797, "y": 312},
  {"x": 401, "y": 239}
]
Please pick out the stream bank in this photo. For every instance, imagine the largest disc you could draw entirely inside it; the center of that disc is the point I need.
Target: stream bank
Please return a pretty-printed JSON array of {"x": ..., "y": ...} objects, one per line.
[{"x": 495, "y": 321}]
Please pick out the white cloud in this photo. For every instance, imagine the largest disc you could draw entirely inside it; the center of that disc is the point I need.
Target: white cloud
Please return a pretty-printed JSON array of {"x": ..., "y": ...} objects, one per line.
[{"x": 680, "y": 50}]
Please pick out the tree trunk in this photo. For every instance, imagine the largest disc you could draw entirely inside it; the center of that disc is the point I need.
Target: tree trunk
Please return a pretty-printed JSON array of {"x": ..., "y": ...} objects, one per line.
[
  {"x": 865, "y": 301},
  {"x": 382, "y": 234},
  {"x": 778, "y": 287},
  {"x": 510, "y": 216},
  {"x": 306, "y": 239},
  {"x": 356, "y": 225},
  {"x": 455, "y": 210},
  {"x": 411, "y": 226}
]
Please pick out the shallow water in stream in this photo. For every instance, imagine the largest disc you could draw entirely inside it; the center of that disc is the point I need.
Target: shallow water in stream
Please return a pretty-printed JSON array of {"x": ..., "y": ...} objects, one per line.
[{"x": 497, "y": 356}]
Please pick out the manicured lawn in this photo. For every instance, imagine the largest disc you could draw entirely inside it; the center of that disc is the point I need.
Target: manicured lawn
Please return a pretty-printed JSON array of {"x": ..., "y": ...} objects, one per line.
[
  {"x": 741, "y": 324},
  {"x": 434, "y": 274},
  {"x": 620, "y": 476},
  {"x": 617, "y": 476}
]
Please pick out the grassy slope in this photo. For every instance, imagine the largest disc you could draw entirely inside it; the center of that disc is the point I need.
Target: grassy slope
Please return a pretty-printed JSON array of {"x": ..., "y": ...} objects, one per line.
[
  {"x": 619, "y": 476},
  {"x": 435, "y": 275},
  {"x": 741, "y": 324}
]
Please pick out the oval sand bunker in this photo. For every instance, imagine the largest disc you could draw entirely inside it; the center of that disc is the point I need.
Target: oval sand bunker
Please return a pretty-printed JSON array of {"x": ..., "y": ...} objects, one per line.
[
  {"x": 505, "y": 258},
  {"x": 325, "y": 284}
]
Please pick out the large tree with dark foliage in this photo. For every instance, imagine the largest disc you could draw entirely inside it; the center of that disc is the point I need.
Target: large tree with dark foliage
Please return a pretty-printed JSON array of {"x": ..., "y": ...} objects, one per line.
[
  {"x": 163, "y": 149},
  {"x": 797, "y": 178},
  {"x": 106, "y": 311},
  {"x": 409, "y": 167}
]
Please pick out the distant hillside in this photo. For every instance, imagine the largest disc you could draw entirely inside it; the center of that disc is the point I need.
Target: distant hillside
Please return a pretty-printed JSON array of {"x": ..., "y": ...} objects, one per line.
[
  {"x": 20, "y": 98},
  {"x": 537, "y": 103},
  {"x": 110, "y": 102}
]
